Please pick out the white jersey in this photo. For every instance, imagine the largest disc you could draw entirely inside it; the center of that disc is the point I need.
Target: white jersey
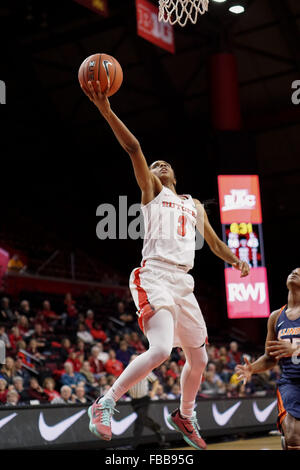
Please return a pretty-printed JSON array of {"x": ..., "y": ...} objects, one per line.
[{"x": 170, "y": 228}]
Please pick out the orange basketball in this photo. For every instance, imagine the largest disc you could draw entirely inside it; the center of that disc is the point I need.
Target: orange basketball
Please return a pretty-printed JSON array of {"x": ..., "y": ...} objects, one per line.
[{"x": 102, "y": 67}]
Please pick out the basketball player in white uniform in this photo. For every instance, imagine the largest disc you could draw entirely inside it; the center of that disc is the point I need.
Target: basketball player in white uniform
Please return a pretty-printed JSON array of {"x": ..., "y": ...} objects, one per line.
[{"x": 161, "y": 287}]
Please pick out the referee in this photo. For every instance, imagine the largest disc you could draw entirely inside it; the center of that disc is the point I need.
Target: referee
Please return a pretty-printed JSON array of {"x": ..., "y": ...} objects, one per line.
[{"x": 140, "y": 401}]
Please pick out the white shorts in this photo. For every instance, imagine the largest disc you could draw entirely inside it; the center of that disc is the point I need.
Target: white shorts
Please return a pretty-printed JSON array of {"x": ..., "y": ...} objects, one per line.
[{"x": 157, "y": 284}]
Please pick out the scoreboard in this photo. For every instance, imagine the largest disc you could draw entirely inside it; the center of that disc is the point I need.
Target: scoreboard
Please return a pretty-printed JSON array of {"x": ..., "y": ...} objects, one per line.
[{"x": 241, "y": 219}]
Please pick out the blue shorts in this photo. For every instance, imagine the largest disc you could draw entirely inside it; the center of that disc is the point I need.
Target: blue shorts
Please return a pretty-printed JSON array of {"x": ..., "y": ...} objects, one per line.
[{"x": 288, "y": 401}]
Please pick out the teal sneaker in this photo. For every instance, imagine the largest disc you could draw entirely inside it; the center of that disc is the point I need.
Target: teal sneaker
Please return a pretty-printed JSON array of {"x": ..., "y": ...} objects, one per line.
[{"x": 100, "y": 414}]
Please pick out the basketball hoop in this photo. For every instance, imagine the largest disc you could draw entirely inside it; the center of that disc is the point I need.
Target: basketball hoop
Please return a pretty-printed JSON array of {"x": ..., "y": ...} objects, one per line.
[{"x": 181, "y": 11}]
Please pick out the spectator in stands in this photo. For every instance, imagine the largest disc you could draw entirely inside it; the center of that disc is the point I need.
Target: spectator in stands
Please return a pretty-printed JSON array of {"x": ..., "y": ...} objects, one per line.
[
  {"x": 86, "y": 371},
  {"x": 175, "y": 392},
  {"x": 23, "y": 325},
  {"x": 65, "y": 396},
  {"x": 169, "y": 384},
  {"x": 211, "y": 367},
  {"x": 128, "y": 318},
  {"x": 115, "y": 343},
  {"x": 160, "y": 394},
  {"x": 161, "y": 372},
  {"x": 41, "y": 320},
  {"x": 70, "y": 377},
  {"x": 97, "y": 366},
  {"x": 15, "y": 264},
  {"x": 123, "y": 354},
  {"x": 23, "y": 354},
  {"x": 65, "y": 350},
  {"x": 6, "y": 314},
  {"x": 20, "y": 371},
  {"x": 7, "y": 371},
  {"x": 4, "y": 337},
  {"x": 173, "y": 371},
  {"x": 212, "y": 385},
  {"x": 76, "y": 360},
  {"x": 12, "y": 398},
  {"x": 80, "y": 348},
  {"x": 49, "y": 388},
  {"x": 212, "y": 352},
  {"x": 103, "y": 384},
  {"x": 39, "y": 336},
  {"x": 33, "y": 350},
  {"x": 97, "y": 332},
  {"x": 72, "y": 312},
  {"x": 102, "y": 356},
  {"x": 234, "y": 355},
  {"x": 24, "y": 309},
  {"x": 14, "y": 337},
  {"x": 36, "y": 392},
  {"x": 113, "y": 366},
  {"x": 24, "y": 397},
  {"x": 84, "y": 334},
  {"x": 51, "y": 317},
  {"x": 79, "y": 395},
  {"x": 90, "y": 318},
  {"x": 3, "y": 390},
  {"x": 136, "y": 343}
]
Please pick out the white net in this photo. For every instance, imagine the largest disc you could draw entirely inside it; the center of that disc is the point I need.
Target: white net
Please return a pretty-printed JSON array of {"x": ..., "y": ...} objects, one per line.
[{"x": 181, "y": 11}]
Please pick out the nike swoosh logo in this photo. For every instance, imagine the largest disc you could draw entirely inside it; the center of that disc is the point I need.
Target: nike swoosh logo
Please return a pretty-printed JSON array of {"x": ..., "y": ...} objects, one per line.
[
  {"x": 6, "y": 420},
  {"x": 280, "y": 324},
  {"x": 262, "y": 415},
  {"x": 166, "y": 414},
  {"x": 223, "y": 418},
  {"x": 119, "y": 427},
  {"x": 50, "y": 433}
]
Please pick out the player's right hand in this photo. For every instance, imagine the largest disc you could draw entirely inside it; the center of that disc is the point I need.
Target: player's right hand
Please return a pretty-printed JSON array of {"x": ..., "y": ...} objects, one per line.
[{"x": 244, "y": 372}]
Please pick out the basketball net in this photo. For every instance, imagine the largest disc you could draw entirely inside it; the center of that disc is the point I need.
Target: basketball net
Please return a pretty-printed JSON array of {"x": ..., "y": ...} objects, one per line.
[{"x": 181, "y": 11}]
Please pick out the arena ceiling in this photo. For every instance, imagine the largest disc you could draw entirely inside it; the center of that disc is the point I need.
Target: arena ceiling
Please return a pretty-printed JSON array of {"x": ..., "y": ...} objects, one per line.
[{"x": 159, "y": 88}]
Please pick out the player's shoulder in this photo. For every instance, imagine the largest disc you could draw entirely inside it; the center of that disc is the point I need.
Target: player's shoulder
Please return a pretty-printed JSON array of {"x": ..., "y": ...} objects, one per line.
[
  {"x": 196, "y": 201},
  {"x": 274, "y": 316}
]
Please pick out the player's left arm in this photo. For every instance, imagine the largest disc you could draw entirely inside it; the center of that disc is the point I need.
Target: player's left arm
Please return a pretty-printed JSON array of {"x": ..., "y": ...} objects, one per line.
[{"x": 217, "y": 246}]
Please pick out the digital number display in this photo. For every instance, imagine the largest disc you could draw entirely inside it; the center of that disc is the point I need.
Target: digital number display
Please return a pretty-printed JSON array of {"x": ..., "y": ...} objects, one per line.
[{"x": 241, "y": 218}]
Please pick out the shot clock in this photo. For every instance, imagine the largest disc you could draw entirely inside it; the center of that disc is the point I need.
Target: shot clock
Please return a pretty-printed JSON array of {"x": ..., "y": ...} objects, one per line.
[{"x": 241, "y": 219}]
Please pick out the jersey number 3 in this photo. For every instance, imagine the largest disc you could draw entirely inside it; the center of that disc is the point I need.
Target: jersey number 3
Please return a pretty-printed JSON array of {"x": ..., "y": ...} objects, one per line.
[{"x": 182, "y": 225}]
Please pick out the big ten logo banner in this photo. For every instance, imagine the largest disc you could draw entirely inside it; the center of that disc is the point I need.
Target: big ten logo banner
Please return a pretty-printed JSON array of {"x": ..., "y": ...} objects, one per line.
[
  {"x": 247, "y": 297},
  {"x": 149, "y": 27},
  {"x": 239, "y": 199}
]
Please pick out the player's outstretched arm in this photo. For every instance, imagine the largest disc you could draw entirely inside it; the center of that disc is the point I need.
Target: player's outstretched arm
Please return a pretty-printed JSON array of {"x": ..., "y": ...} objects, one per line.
[
  {"x": 217, "y": 246},
  {"x": 149, "y": 184},
  {"x": 264, "y": 362}
]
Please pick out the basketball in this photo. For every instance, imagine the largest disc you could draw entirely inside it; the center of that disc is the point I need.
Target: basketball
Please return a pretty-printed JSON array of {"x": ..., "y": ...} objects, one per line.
[{"x": 104, "y": 68}]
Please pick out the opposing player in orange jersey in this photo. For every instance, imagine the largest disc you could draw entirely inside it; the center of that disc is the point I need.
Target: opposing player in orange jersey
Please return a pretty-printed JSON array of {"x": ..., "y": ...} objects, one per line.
[
  {"x": 161, "y": 287},
  {"x": 283, "y": 345}
]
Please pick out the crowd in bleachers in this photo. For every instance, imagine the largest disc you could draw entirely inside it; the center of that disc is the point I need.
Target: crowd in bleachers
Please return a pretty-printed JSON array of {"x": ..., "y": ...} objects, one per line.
[{"x": 62, "y": 350}]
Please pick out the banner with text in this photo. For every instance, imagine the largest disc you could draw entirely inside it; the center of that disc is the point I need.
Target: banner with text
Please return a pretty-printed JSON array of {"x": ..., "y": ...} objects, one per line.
[{"x": 149, "y": 28}]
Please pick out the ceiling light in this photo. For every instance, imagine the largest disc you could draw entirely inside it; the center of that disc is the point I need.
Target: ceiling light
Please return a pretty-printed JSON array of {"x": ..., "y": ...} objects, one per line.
[{"x": 237, "y": 9}]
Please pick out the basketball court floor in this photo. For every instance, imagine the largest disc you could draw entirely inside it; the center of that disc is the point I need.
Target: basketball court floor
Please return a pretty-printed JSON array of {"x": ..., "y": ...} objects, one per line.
[{"x": 258, "y": 443}]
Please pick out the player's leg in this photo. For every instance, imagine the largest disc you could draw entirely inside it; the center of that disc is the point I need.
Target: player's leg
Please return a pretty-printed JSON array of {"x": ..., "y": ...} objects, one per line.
[
  {"x": 191, "y": 376},
  {"x": 184, "y": 419},
  {"x": 291, "y": 431},
  {"x": 159, "y": 330},
  {"x": 192, "y": 334}
]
